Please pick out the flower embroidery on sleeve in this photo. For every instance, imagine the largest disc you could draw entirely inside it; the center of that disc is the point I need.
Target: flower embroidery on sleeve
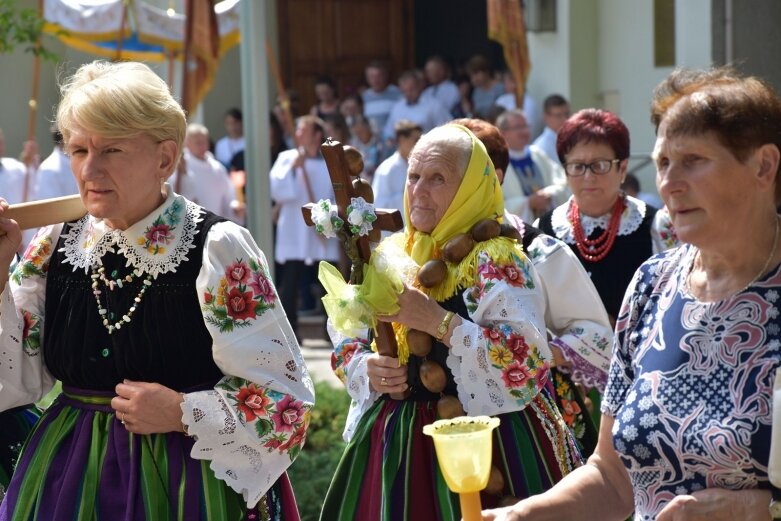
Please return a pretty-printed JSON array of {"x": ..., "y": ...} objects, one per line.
[
  {"x": 279, "y": 420},
  {"x": 35, "y": 261},
  {"x": 244, "y": 293},
  {"x": 31, "y": 336},
  {"x": 516, "y": 274},
  {"x": 523, "y": 371},
  {"x": 342, "y": 355}
]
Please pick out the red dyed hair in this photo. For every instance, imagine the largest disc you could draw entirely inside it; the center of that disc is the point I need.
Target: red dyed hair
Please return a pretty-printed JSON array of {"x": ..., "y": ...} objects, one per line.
[{"x": 593, "y": 125}]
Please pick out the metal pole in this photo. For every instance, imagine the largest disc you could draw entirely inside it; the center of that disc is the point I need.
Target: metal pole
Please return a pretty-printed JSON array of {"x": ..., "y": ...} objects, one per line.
[{"x": 256, "y": 109}]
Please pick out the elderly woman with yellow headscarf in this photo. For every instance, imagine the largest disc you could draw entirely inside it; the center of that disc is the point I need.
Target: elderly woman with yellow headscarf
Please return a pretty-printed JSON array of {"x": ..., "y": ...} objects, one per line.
[{"x": 481, "y": 309}]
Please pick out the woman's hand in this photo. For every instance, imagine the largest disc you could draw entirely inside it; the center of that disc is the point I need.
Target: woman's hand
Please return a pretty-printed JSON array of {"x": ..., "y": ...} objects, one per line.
[
  {"x": 510, "y": 513},
  {"x": 148, "y": 408},
  {"x": 716, "y": 504},
  {"x": 385, "y": 374},
  {"x": 418, "y": 311}
]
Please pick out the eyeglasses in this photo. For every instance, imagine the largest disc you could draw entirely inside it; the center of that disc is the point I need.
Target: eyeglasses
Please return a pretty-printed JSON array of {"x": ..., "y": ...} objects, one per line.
[{"x": 598, "y": 167}]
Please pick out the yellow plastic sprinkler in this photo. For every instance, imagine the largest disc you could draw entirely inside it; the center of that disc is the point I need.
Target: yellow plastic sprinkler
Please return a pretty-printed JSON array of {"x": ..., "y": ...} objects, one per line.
[{"x": 463, "y": 448}]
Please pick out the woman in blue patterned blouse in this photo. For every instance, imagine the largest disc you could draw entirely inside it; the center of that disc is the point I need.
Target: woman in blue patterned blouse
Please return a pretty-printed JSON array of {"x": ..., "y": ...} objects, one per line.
[{"x": 686, "y": 423}]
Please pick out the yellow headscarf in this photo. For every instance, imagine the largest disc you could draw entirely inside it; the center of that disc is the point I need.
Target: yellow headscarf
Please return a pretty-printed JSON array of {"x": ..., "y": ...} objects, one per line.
[{"x": 478, "y": 197}]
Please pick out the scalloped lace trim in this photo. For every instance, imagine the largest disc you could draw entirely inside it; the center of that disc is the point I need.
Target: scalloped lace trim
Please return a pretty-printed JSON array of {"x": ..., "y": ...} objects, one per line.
[
  {"x": 251, "y": 472},
  {"x": 631, "y": 219},
  {"x": 90, "y": 238}
]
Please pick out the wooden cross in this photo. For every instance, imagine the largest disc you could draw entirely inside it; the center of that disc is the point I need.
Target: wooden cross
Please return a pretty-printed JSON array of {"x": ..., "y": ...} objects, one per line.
[{"x": 341, "y": 164}]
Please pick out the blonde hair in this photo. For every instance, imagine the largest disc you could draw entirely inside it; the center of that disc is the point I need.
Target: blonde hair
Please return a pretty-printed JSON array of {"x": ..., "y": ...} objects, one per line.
[{"x": 118, "y": 100}]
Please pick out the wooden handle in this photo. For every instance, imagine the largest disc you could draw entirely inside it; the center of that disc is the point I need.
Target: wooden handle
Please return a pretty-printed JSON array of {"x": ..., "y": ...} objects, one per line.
[{"x": 46, "y": 211}]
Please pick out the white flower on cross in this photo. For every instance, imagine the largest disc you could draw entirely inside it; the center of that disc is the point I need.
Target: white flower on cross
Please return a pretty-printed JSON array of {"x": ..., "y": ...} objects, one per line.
[
  {"x": 360, "y": 215},
  {"x": 326, "y": 219}
]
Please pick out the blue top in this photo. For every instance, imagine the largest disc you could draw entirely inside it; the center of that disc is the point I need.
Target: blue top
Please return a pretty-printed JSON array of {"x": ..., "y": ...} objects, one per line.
[{"x": 691, "y": 383}]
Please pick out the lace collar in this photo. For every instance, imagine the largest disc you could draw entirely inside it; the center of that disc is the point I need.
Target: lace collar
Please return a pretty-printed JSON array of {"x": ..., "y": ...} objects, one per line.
[
  {"x": 631, "y": 219},
  {"x": 156, "y": 244}
]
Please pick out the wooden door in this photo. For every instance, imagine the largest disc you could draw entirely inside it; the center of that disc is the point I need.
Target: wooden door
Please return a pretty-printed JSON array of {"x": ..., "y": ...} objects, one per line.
[{"x": 338, "y": 38}]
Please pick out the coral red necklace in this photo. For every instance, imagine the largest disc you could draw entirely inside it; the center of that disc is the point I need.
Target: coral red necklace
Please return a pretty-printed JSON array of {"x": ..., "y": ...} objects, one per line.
[{"x": 594, "y": 250}]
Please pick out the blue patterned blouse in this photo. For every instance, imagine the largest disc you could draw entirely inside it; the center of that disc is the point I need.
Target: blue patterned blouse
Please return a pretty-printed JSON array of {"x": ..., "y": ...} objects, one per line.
[{"x": 691, "y": 384}]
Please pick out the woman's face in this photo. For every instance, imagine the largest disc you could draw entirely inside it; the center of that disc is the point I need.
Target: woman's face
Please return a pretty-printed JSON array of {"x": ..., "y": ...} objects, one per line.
[
  {"x": 432, "y": 183},
  {"x": 119, "y": 179},
  {"x": 706, "y": 189},
  {"x": 595, "y": 194}
]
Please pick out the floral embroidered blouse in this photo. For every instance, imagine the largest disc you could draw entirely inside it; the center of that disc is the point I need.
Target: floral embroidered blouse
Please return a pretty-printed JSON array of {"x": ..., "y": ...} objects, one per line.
[
  {"x": 499, "y": 357},
  {"x": 209, "y": 324},
  {"x": 691, "y": 384},
  {"x": 574, "y": 314}
]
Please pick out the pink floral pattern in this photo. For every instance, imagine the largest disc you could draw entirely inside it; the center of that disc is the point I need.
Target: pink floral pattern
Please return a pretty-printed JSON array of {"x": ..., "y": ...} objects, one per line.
[
  {"x": 280, "y": 420},
  {"x": 243, "y": 294},
  {"x": 343, "y": 353},
  {"x": 160, "y": 233}
]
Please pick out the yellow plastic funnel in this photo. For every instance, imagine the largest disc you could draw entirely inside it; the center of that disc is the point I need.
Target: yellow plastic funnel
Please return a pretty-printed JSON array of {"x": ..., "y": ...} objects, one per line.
[{"x": 463, "y": 448}]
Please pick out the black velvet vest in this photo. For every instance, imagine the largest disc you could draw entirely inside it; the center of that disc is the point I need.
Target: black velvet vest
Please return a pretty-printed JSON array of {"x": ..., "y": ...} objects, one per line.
[{"x": 166, "y": 341}]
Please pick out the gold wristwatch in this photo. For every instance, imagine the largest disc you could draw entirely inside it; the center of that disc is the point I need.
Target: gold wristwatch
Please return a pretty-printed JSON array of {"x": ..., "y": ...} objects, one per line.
[
  {"x": 444, "y": 326},
  {"x": 775, "y": 504}
]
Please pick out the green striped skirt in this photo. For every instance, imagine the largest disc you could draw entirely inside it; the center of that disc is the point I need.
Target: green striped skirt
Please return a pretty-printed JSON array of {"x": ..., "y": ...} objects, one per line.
[
  {"x": 80, "y": 464},
  {"x": 389, "y": 470}
]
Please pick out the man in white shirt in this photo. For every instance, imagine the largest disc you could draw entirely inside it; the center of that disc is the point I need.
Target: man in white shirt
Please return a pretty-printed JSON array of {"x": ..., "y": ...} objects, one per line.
[
  {"x": 426, "y": 112},
  {"x": 233, "y": 142},
  {"x": 555, "y": 111},
  {"x": 205, "y": 180},
  {"x": 54, "y": 177},
  {"x": 439, "y": 85},
  {"x": 299, "y": 177},
  {"x": 533, "y": 183},
  {"x": 390, "y": 178},
  {"x": 379, "y": 98}
]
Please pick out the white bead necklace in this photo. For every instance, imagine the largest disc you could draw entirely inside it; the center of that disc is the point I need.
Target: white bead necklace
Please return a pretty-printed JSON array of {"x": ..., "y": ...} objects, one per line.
[{"x": 99, "y": 276}]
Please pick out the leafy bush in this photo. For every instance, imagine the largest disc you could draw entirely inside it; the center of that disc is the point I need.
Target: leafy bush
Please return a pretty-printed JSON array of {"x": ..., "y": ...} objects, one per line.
[{"x": 312, "y": 471}]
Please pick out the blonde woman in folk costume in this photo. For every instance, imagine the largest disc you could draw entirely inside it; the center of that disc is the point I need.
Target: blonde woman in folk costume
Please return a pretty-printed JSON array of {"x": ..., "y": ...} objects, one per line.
[{"x": 185, "y": 395}]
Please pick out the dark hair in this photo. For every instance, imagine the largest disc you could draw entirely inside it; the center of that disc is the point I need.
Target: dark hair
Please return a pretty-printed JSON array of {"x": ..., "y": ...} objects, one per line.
[
  {"x": 326, "y": 80},
  {"x": 492, "y": 138},
  {"x": 478, "y": 63},
  {"x": 593, "y": 125},
  {"x": 743, "y": 112},
  {"x": 405, "y": 128},
  {"x": 553, "y": 101},
  {"x": 338, "y": 126},
  {"x": 235, "y": 113},
  {"x": 632, "y": 182}
]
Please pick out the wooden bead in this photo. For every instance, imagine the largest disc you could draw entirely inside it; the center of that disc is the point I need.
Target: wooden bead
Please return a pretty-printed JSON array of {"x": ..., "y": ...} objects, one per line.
[
  {"x": 419, "y": 342},
  {"x": 458, "y": 247},
  {"x": 354, "y": 160},
  {"x": 363, "y": 189},
  {"x": 432, "y": 376},
  {"x": 485, "y": 230},
  {"x": 432, "y": 273},
  {"x": 449, "y": 407},
  {"x": 495, "y": 484},
  {"x": 511, "y": 232}
]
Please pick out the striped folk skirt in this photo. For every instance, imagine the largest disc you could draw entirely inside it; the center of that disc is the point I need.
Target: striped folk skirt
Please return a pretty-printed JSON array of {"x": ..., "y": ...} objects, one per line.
[
  {"x": 80, "y": 463},
  {"x": 389, "y": 470}
]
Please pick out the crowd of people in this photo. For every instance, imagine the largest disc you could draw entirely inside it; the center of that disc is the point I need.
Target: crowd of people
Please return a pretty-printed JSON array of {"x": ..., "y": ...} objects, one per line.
[{"x": 629, "y": 345}]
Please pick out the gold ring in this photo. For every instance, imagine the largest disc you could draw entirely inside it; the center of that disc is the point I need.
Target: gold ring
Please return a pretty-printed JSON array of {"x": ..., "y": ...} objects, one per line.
[{"x": 384, "y": 381}]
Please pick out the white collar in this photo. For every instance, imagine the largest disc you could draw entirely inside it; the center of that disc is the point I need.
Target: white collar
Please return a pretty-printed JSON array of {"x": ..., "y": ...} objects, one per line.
[
  {"x": 156, "y": 244},
  {"x": 633, "y": 216}
]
